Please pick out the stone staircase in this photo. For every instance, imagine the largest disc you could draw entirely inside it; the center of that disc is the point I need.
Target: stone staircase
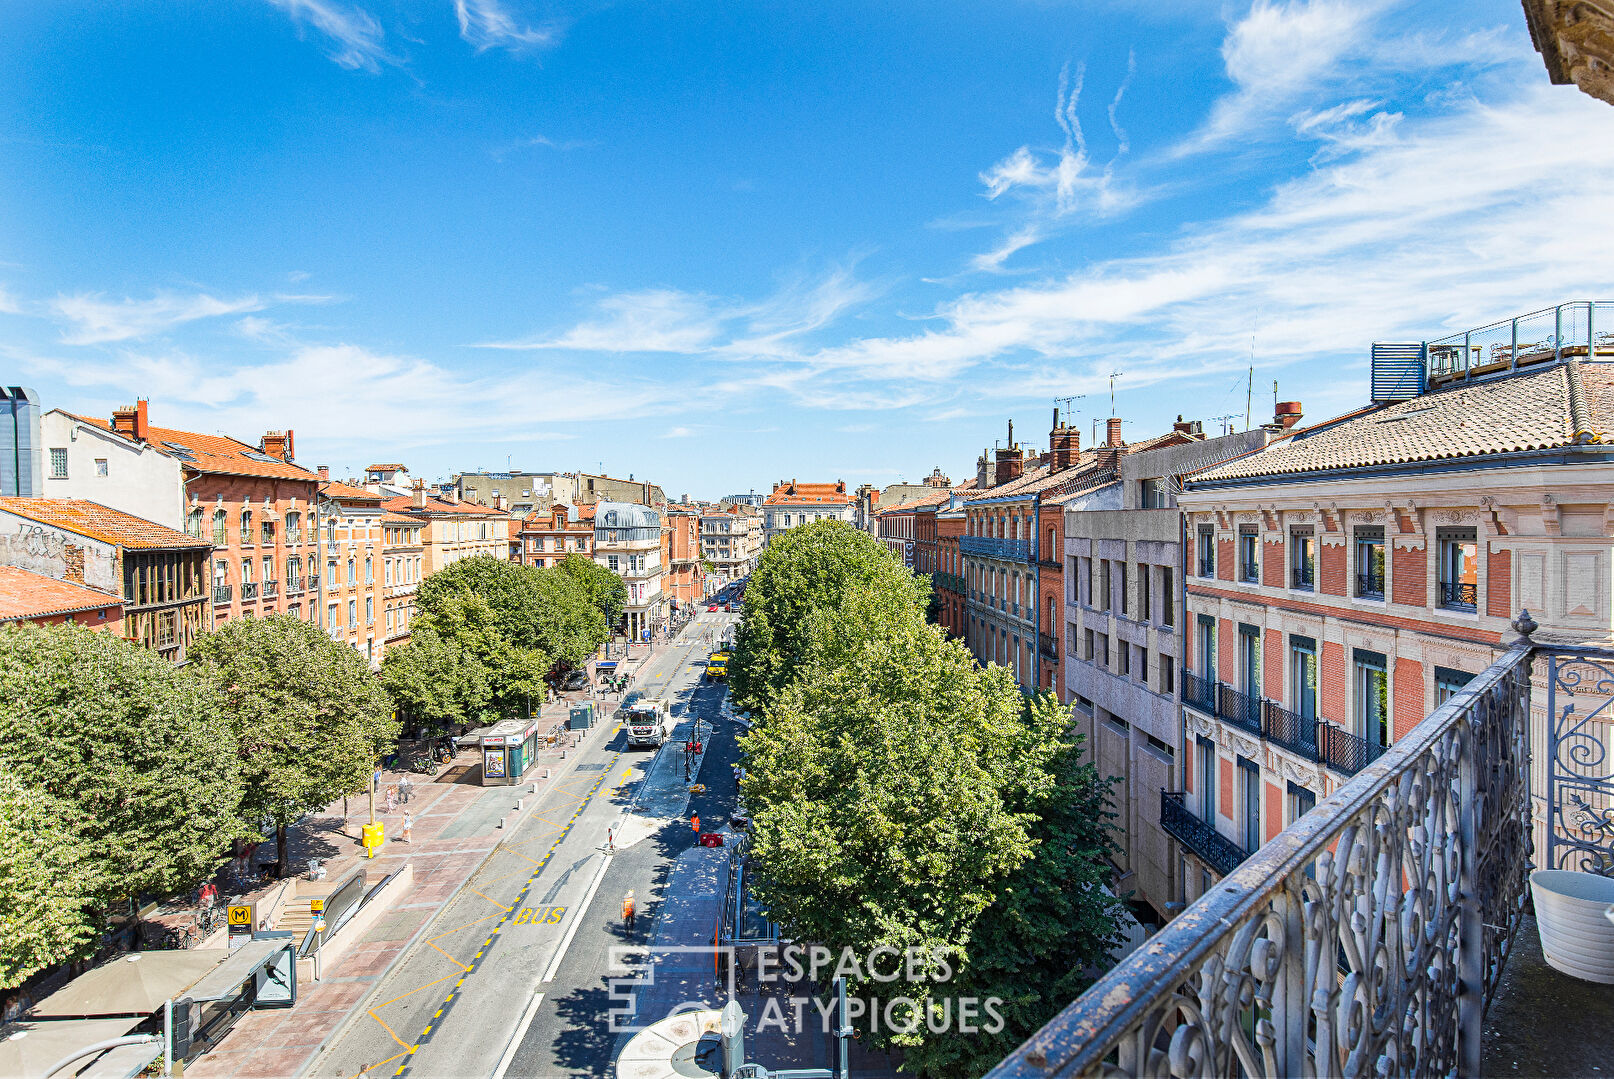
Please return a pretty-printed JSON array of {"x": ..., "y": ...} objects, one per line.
[{"x": 297, "y": 917}]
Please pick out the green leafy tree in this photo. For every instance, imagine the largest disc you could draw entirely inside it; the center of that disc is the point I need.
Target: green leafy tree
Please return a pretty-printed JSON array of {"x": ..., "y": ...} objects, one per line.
[
  {"x": 544, "y": 610},
  {"x": 570, "y": 623},
  {"x": 47, "y": 882},
  {"x": 803, "y": 571},
  {"x": 605, "y": 589},
  {"x": 142, "y": 752},
  {"x": 510, "y": 676},
  {"x": 434, "y": 682},
  {"x": 310, "y": 719}
]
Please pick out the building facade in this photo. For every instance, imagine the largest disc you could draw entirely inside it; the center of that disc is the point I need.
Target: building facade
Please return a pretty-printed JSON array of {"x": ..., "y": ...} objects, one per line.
[
  {"x": 952, "y": 595},
  {"x": 1350, "y": 577},
  {"x": 453, "y": 529},
  {"x": 355, "y": 598},
  {"x": 686, "y": 570},
  {"x": 628, "y": 542},
  {"x": 731, "y": 539},
  {"x": 793, "y": 504},
  {"x": 403, "y": 563},
  {"x": 160, "y": 574},
  {"x": 85, "y": 459},
  {"x": 546, "y": 538}
]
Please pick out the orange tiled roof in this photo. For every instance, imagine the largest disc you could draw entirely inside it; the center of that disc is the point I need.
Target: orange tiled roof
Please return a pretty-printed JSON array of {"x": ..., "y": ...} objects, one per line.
[
  {"x": 916, "y": 504},
  {"x": 390, "y": 518},
  {"x": 95, "y": 521},
  {"x": 33, "y": 595},
  {"x": 796, "y": 494},
  {"x": 436, "y": 507},
  {"x": 216, "y": 453},
  {"x": 347, "y": 492}
]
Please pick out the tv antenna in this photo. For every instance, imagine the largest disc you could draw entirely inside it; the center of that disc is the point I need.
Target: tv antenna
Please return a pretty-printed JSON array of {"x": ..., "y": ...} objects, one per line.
[
  {"x": 1227, "y": 428},
  {"x": 1067, "y": 401},
  {"x": 1113, "y": 376}
]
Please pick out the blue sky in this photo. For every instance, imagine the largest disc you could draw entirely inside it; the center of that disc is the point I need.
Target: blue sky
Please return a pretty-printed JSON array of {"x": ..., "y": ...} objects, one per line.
[{"x": 720, "y": 244}]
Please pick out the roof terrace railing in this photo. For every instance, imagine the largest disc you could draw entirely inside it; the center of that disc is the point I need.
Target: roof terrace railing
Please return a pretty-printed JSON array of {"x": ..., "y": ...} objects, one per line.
[
  {"x": 1576, "y": 328},
  {"x": 1364, "y": 939}
]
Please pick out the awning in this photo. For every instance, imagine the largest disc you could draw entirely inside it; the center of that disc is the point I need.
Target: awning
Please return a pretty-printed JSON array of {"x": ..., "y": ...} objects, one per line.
[
  {"x": 27, "y": 1049},
  {"x": 223, "y": 982},
  {"x": 134, "y": 984},
  {"x": 605, "y": 665}
]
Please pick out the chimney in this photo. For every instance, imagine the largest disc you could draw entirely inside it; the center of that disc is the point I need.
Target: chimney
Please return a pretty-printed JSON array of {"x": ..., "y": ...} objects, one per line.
[
  {"x": 983, "y": 472},
  {"x": 274, "y": 444},
  {"x": 1287, "y": 413},
  {"x": 130, "y": 421},
  {"x": 1064, "y": 445},
  {"x": 1186, "y": 427},
  {"x": 1010, "y": 464},
  {"x": 419, "y": 495},
  {"x": 291, "y": 450},
  {"x": 453, "y": 496},
  {"x": 324, "y": 472},
  {"x": 498, "y": 501},
  {"x": 1112, "y": 432}
]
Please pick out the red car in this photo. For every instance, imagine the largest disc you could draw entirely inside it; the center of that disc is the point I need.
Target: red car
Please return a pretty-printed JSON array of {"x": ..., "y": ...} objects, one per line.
[{"x": 713, "y": 607}]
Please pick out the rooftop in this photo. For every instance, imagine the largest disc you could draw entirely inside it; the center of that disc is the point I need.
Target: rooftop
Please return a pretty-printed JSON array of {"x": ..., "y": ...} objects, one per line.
[
  {"x": 791, "y": 493},
  {"x": 95, "y": 521},
  {"x": 347, "y": 492},
  {"x": 33, "y": 595},
  {"x": 219, "y": 454},
  {"x": 437, "y": 507}
]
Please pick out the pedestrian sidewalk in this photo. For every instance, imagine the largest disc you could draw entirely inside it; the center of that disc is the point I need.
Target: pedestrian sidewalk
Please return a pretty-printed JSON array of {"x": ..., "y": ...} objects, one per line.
[{"x": 455, "y": 828}]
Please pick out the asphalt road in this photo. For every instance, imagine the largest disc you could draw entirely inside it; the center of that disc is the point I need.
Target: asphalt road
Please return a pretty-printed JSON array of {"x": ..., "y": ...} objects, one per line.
[{"x": 510, "y": 980}]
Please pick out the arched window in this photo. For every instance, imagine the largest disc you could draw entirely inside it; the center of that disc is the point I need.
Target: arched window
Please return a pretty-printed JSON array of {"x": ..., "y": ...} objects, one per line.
[
  {"x": 246, "y": 527},
  {"x": 193, "y": 523},
  {"x": 220, "y": 523}
]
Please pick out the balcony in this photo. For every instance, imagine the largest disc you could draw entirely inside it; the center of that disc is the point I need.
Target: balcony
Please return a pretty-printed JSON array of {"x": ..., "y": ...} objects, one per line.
[
  {"x": 1458, "y": 595},
  {"x": 1308, "y": 737},
  {"x": 294, "y": 586},
  {"x": 1410, "y": 878},
  {"x": 1207, "y": 567},
  {"x": 1199, "y": 691},
  {"x": 1302, "y": 577},
  {"x": 313, "y": 582},
  {"x": 1201, "y": 837},
  {"x": 952, "y": 582},
  {"x": 1250, "y": 573},
  {"x": 1008, "y": 550},
  {"x": 222, "y": 593},
  {"x": 270, "y": 589},
  {"x": 249, "y": 591},
  {"x": 1047, "y": 646},
  {"x": 1545, "y": 336},
  {"x": 1370, "y": 585}
]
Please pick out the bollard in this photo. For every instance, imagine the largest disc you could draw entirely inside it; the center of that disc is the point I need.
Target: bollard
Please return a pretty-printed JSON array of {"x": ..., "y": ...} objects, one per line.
[
  {"x": 502, "y": 820},
  {"x": 519, "y": 801}
]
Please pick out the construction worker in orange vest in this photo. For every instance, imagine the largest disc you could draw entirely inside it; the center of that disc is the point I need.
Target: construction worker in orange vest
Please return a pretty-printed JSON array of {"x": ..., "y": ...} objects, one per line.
[
  {"x": 697, "y": 823},
  {"x": 627, "y": 910}
]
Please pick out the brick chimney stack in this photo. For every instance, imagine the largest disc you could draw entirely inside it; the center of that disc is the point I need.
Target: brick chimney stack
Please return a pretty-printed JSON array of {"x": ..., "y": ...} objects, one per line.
[
  {"x": 419, "y": 495},
  {"x": 131, "y": 422},
  {"x": 274, "y": 444},
  {"x": 1287, "y": 413},
  {"x": 1064, "y": 445},
  {"x": 1112, "y": 432},
  {"x": 1010, "y": 461},
  {"x": 324, "y": 472}
]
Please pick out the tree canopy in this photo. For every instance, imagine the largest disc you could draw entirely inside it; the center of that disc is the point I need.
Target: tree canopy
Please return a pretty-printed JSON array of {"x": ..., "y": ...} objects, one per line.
[
  {"x": 547, "y": 610},
  {"x": 47, "y": 881},
  {"x": 605, "y": 589},
  {"x": 309, "y": 718},
  {"x": 141, "y": 751},
  {"x": 436, "y": 683}
]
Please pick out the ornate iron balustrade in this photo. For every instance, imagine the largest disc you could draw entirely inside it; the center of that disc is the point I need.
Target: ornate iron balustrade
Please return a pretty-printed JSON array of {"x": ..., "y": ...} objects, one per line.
[
  {"x": 950, "y": 581},
  {"x": 1239, "y": 709},
  {"x": 270, "y": 589},
  {"x": 1365, "y": 939},
  {"x": 222, "y": 593},
  {"x": 249, "y": 590},
  {"x": 313, "y": 582},
  {"x": 1199, "y": 691},
  {"x": 294, "y": 586},
  {"x": 1009, "y": 550},
  {"x": 1579, "y": 767},
  {"x": 1370, "y": 585},
  {"x": 1048, "y": 646},
  {"x": 1209, "y": 846},
  {"x": 1458, "y": 594},
  {"x": 1302, "y": 576},
  {"x": 1290, "y": 730},
  {"x": 1343, "y": 751}
]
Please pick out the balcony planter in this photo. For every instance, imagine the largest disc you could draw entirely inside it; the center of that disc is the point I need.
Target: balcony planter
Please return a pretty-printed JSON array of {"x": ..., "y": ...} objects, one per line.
[{"x": 1576, "y": 937}]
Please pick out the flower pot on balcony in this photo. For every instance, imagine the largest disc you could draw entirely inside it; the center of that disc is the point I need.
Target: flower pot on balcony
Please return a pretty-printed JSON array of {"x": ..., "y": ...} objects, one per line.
[{"x": 1576, "y": 937}]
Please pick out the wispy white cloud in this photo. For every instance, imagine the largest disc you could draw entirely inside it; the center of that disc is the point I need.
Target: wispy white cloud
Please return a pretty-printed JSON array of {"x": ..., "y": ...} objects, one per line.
[
  {"x": 487, "y": 25},
  {"x": 499, "y": 153},
  {"x": 9, "y": 304},
  {"x": 680, "y": 432},
  {"x": 93, "y": 319},
  {"x": 356, "y": 40}
]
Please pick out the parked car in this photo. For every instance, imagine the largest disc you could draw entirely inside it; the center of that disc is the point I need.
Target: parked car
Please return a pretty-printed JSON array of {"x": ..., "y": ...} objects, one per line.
[{"x": 575, "y": 679}]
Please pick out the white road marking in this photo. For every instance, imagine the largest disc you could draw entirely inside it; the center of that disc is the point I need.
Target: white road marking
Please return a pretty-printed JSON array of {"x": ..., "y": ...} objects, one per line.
[
  {"x": 577, "y": 920},
  {"x": 516, "y": 1038}
]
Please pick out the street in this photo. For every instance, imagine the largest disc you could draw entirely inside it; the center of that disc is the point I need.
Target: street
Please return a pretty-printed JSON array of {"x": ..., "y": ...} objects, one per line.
[{"x": 509, "y": 980}]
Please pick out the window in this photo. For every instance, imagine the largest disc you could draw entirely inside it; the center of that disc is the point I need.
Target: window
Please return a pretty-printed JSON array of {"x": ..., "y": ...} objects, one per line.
[
  {"x": 1145, "y": 607},
  {"x": 1250, "y": 660},
  {"x": 193, "y": 523},
  {"x": 220, "y": 524},
  {"x": 294, "y": 527},
  {"x": 1087, "y": 645},
  {"x": 1303, "y": 676},
  {"x": 1143, "y": 665},
  {"x": 352, "y": 573},
  {"x": 1448, "y": 682},
  {"x": 389, "y": 621},
  {"x": 330, "y": 572},
  {"x": 612, "y": 564},
  {"x": 1207, "y": 552},
  {"x": 369, "y": 611},
  {"x": 1459, "y": 588},
  {"x": 246, "y": 571},
  {"x": 1207, "y": 647},
  {"x": 1168, "y": 613},
  {"x": 246, "y": 527},
  {"x": 294, "y": 572},
  {"x": 1104, "y": 584},
  {"x": 1372, "y": 697},
  {"x": 267, "y": 533},
  {"x": 1249, "y": 558},
  {"x": 268, "y": 568},
  {"x": 58, "y": 462},
  {"x": 1087, "y": 578},
  {"x": 1168, "y": 674},
  {"x": 333, "y": 617},
  {"x": 100, "y": 467},
  {"x": 1301, "y": 801},
  {"x": 1302, "y": 559},
  {"x": 369, "y": 570},
  {"x": 1250, "y": 784},
  {"x": 386, "y": 571},
  {"x": 1121, "y": 568},
  {"x": 1370, "y": 562},
  {"x": 1125, "y": 658},
  {"x": 1152, "y": 493},
  {"x": 353, "y": 613},
  {"x": 1102, "y": 640},
  {"x": 1207, "y": 778}
]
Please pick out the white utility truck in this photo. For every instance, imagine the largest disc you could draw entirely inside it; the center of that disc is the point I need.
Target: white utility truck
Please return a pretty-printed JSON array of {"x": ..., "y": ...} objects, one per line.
[{"x": 649, "y": 722}]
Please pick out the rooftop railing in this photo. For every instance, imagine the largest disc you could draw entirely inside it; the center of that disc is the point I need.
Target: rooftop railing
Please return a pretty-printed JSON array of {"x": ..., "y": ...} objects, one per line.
[
  {"x": 1577, "y": 328},
  {"x": 1368, "y": 937}
]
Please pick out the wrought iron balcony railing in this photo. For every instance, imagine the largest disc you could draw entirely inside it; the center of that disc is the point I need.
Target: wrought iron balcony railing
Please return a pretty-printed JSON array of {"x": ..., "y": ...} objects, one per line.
[
  {"x": 950, "y": 581},
  {"x": 1435, "y": 835},
  {"x": 294, "y": 586},
  {"x": 1302, "y": 576},
  {"x": 270, "y": 589},
  {"x": 1370, "y": 585},
  {"x": 1207, "y": 567},
  {"x": 1239, "y": 709},
  {"x": 1312, "y": 738},
  {"x": 249, "y": 590},
  {"x": 1458, "y": 594},
  {"x": 1048, "y": 646},
  {"x": 1009, "y": 550},
  {"x": 313, "y": 582},
  {"x": 222, "y": 593},
  {"x": 1250, "y": 573},
  {"x": 1199, "y": 836},
  {"x": 1199, "y": 691}
]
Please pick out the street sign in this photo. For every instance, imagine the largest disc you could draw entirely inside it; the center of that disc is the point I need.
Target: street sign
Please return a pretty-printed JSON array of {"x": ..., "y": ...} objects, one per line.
[
  {"x": 316, "y": 905},
  {"x": 240, "y": 917}
]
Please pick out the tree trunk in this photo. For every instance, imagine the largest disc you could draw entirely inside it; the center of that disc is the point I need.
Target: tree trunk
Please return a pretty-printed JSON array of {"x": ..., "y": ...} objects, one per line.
[{"x": 280, "y": 847}]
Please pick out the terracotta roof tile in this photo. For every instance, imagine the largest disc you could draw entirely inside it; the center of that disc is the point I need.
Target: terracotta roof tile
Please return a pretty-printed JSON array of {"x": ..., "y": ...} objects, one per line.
[
  {"x": 347, "y": 492},
  {"x": 916, "y": 504},
  {"x": 1529, "y": 411},
  {"x": 91, "y": 519},
  {"x": 33, "y": 595},
  {"x": 216, "y": 453},
  {"x": 436, "y": 507}
]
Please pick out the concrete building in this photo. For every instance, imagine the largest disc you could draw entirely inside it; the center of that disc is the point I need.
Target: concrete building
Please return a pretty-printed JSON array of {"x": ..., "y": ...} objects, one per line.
[
  {"x": 354, "y": 596},
  {"x": 84, "y": 459},
  {"x": 1352, "y": 575},
  {"x": 731, "y": 540},
  {"x": 546, "y": 538},
  {"x": 32, "y": 597},
  {"x": 1122, "y": 609},
  {"x": 750, "y": 498},
  {"x": 22, "y": 468},
  {"x": 525, "y": 492},
  {"x": 453, "y": 529},
  {"x": 389, "y": 480},
  {"x": 159, "y": 573},
  {"x": 794, "y": 504},
  {"x": 628, "y": 542},
  {"x": 403, "y": 564}
]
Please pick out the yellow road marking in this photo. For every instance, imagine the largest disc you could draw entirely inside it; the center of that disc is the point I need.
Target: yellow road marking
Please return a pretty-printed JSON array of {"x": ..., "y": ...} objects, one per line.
[
  {"x": 495, "y": 902},
  {"x": 450, "y": 958},
  {"x": 388, "y": 1029}
]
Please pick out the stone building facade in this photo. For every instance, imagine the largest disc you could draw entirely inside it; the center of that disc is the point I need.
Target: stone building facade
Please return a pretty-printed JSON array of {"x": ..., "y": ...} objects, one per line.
[{"x": 355, "y": 599}]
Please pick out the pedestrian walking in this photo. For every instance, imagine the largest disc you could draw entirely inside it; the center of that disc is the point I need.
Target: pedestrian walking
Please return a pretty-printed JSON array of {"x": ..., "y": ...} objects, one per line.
[
  {"x": 392, "y": 799},
  {"x": 403, "y": 790},
  {"x": 408, "y": 825},
  {"x": 628, "y": 911}
]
